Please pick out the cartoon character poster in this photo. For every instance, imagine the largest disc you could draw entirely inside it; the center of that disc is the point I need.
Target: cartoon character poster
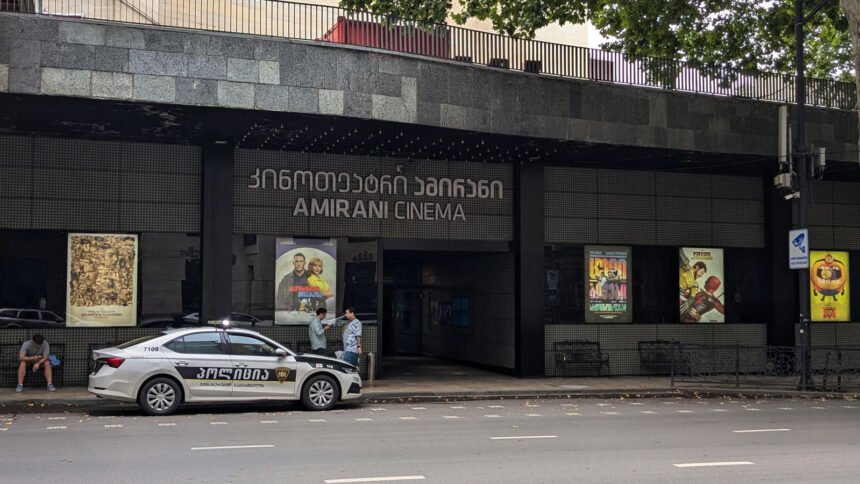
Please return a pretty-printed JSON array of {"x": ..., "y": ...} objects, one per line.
[
  {"x": 102, "y": 280},
  {"x": 305, "y": 279},
  {"x": 702, "y": 294},
  {"x": 829, "y": 292},
  {"x": 607, "y": 282}
]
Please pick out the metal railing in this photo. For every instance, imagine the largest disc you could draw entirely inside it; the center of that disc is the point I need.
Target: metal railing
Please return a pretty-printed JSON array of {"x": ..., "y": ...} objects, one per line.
[
  {"x": 778, "y": 367},
  {"x": 336, "y": 25}
]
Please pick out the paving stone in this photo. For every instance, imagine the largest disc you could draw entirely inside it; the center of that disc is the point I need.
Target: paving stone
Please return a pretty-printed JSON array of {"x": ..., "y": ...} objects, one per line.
[
  {"x": 271, "y": 98},
  {"x": 242, "y": 70},
  {"x": 202, "y": 92},
  {"x": 158, "y": 63},
  {"x": 154, "y": 88},
  {"x": 111, "y": 59},
  {"x": 73, "y": 56},
  {"x": 235, "y": 94},
  {"x": 207, "y": 66},
  {"x": 331, "y": 102},
  {"x": 66, "y": 82},
  {"x": 112, "y": 85},
  {"x": 270, "y": 72},
  {"x": 303, "y": 100}
]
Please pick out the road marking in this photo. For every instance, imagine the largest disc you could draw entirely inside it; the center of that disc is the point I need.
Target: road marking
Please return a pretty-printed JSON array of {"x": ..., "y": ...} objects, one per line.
[
  {"x": 648, "y": 412},
  {"x": 753, "y": 409},
  {"x": 57, "y": 427},
  {"x": 670, "y": 403},
  {"x": 113, "y": 426},
  {"x": 533, "y": 415},
  {"x": 450, "y": 416},
  {"x": 492, "y": 416},
  {"x": 636, "y": 403},
  {"x": 573, "y": 414},
  {"x": 3, "y": 429},
  {"x": 685, "y": 411},
  {"x": 497, "y": 406},
  {"x": 567, "y": 405},
  {"x": 760, "y": 430},
  {"x": 715, "y": 464},
  {"x": 408, "y": 418},
  {"x": 56, "y": 418},
  {"x": 820, "y": 408},
  {"x": 374, "y": 479},
  {"x": 364, "y": 419},
  {"x": 419, "y": 408},
  {"x": 604, "y": 404},
  {"x": 228, "y": 447},
  {"x": 719, "y": 410},
  {"x": 268, "y": 421},
  {"x": 458, "y": 408},
  {"x": 785, "y": 408},
  {"x": 379, "y": 409},
  {"x": 848, "y": 406},
  {"x": 610, "y": 413},
  {"x": 316, "y": 420},
  {"x": 217, "y": 423},
  {"x": 525, "y": 437},
  {"x": 169, "y": 424}
]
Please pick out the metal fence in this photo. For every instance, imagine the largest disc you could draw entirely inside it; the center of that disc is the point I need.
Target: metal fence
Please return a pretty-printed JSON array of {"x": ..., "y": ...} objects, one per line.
[
  {"x": 336, "y": 25},
  {"x": 778, "y": 367}
]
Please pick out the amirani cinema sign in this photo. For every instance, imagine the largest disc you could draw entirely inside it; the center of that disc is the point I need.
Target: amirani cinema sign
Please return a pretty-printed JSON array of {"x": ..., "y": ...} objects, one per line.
[{"x": 321, "y": 194}]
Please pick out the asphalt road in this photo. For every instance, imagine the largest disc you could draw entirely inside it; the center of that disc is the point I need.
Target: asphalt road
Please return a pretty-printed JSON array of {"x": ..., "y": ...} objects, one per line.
[{"x": 509, "y": 441}]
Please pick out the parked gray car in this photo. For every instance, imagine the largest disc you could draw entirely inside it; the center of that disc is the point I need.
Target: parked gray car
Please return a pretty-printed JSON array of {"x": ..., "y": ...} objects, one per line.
[{"x": 30, "y": 318}]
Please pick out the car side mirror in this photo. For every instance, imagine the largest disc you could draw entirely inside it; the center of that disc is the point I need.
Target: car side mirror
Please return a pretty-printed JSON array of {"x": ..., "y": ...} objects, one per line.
[{"x": 280, "y": 353}]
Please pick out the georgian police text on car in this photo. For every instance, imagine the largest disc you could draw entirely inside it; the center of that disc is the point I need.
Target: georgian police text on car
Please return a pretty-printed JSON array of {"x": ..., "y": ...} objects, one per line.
[{"x": 162, "y": 371}]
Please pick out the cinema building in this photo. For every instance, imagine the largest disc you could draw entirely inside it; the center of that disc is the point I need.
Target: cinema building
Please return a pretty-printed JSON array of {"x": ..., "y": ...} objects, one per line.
[{"x": 476, "y": 198}]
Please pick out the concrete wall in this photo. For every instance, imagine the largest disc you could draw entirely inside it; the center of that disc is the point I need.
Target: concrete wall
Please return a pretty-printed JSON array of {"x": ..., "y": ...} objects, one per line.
[{"x": 62, "y": 57}]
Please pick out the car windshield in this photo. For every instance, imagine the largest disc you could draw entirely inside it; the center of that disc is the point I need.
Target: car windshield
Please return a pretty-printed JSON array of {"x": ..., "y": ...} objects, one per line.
[{"x": 133, "y": 342}]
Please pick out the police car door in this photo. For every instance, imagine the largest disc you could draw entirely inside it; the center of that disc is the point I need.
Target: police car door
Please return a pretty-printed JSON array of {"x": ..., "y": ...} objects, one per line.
[
  {"x": 258, "y": 371},
  {"x": 203, "y": 362}
]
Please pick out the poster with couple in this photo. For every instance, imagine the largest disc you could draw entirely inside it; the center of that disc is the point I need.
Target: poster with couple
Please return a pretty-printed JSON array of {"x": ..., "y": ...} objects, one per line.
[{"x": 305, "y": 278}]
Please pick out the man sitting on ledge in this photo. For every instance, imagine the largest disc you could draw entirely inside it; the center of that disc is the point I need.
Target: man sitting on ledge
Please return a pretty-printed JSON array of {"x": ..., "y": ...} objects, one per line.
[{"x": 34, "y": 352}]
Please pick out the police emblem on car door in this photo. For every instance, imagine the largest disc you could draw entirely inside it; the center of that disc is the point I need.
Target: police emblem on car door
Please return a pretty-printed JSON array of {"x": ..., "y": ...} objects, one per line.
[
  {"x": 258, "y": 370},
  {"x": 203, "y": 362}
]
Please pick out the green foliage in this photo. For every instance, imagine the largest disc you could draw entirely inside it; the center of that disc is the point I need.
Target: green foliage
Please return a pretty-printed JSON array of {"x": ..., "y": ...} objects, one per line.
[{"x": 711, "y": 34}]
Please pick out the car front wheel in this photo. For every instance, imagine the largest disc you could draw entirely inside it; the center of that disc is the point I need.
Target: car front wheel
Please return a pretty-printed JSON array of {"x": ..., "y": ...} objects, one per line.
[
  {"x": 319, "y": 393},
  {"x": 160, "y": 396}
]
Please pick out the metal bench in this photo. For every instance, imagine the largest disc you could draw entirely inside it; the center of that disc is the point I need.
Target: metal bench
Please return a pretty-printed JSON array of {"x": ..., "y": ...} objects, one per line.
[
  {"x": 657, "y": 357},
  {"x": 579, "y": 358}
]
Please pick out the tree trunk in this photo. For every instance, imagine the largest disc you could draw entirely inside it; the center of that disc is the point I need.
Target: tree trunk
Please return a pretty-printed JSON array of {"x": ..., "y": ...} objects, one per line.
[{"x": 852, "y": 11}]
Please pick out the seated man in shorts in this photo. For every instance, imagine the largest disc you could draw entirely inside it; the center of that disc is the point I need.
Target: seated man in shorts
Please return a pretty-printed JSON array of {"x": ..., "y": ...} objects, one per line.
[{"x": 34, "y": 354}]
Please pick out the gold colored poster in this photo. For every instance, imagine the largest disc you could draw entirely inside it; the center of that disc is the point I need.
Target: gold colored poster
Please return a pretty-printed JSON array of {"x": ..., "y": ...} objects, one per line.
[
  {"x": 102, "y": 280},
  {"x": 829, "y": 287}
]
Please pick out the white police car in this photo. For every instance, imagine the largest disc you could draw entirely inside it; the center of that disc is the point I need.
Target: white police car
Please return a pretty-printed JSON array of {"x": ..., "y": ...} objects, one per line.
[{"x": 211, "y": 364}]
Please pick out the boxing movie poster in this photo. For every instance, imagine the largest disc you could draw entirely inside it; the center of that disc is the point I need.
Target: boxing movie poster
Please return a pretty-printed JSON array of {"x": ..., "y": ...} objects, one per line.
[
  {"x": 305, "y": 279},
  {"x": 607, "y": 282},
  {"x": 830, "y": 297},
  {"x": 702, "y": 291},
  {"x": 102, "y": 280}
]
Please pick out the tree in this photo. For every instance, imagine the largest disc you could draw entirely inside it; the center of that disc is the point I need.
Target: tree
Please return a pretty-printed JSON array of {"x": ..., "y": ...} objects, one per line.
[{"x": 710, "y": 34}]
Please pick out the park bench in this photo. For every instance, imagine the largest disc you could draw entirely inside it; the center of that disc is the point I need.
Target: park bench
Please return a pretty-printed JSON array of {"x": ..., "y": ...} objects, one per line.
[
  {"x": 9, "y": 366},
  {"x": 579, "y": 358},
  {"x": 657, "y": 356}
]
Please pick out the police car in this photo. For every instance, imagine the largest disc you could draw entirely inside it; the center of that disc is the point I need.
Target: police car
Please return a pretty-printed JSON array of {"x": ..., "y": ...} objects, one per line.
[{"x": 213, "y": 364}]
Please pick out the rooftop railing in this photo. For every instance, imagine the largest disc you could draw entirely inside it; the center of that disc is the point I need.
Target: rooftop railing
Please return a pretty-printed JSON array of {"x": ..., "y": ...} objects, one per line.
[{"x": 327, "y": 24}]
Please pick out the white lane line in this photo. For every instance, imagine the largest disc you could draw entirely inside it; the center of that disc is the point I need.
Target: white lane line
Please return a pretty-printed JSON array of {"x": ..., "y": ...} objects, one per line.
[
  {"x": 457, "y": 408},
  {"x": 753, "y": 409},
  {"x": 533, "y": 415},
  {"x": 525, "y": 437},
  {"x": 573, "y": 414},
  {"x": 685, "y": 411},
  {"x": 3, "y": 429},
  {"x": 610, "y": 413},
  {"x": 378, "y": 409},
  {"x": 268, "y": 421},
  {"x": 493, "y": 416},
  {"x": 114, "y": 426},
  {"x": 715, "y": 464},
  {"x": 229, "y": 447},
  {"x": 785, "y": 408},
  {"x": 316, "y": 420},
  {"x": 168, "y": 424},
  {"x": 374, "y": 479},
  {"x": 497, "y": 406},
  {"x": 419, "y": 408},
  {"x": 56, "y": 418},
  {"x": 364, "y": 419},
  {"x": 719, "y": 410},
  {"x": 649, "y": 412},
  {"x": 408, "y": 418},
  {"x": 819, "y": 408},
  {"x": 760, "y": 430},
  {"x": 637, "y": 403},
  {"x": 604, "y": 404},
  {"x": 848, "y": 406},
  {"x": 57, "y": 427},
  {"x": 450, "y": 416},
  {"x": 217, "y": 423}
]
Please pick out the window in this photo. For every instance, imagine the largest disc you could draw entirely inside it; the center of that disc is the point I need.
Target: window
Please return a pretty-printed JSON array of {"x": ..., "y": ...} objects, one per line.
[
  {"x": 137, "y": 341},
  {"x": 177, "y": 345},
  {"x": 9, "y": 313},
  {"x": 49, "y": 316},
  {"x": 204, "y": 344},
  {"x": 29, "y": 315},
  {"x": 250, "y": 346}
]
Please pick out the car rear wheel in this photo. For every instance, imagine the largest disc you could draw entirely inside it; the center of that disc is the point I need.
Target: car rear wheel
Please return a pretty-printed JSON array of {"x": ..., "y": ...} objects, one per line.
[
  {"x": 319, "y": 393},
  {"x": 160, "y": 396}
]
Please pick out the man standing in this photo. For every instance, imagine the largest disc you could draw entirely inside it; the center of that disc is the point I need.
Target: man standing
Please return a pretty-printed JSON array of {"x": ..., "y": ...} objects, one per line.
[
  {"x": 316, "y": 331},
  {"x": 291, "y": 284},
  {"x": 351, "y": 337},
  {"x": 34, "y": 352}
]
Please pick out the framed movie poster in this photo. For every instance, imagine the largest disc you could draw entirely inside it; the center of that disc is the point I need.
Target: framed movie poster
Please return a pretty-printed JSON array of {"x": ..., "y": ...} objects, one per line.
[
  {"x": 701, "y": 295},
  {"x": 829, "y": 286},
  {"x": 607, "y": 283},
  {"x": 102, "y": 280},
  {"x": 305, "y": 279}
]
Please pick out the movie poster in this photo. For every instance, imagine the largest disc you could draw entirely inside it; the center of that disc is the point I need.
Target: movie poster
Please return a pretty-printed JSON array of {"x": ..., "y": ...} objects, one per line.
[
  {"x": 305, "y": 279},
  {"x": 607, "y": 282},
  {"x": 702, "y": 293},
  {"x": 830, "y": 297},
  {"x": 102, "y": 280}
]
